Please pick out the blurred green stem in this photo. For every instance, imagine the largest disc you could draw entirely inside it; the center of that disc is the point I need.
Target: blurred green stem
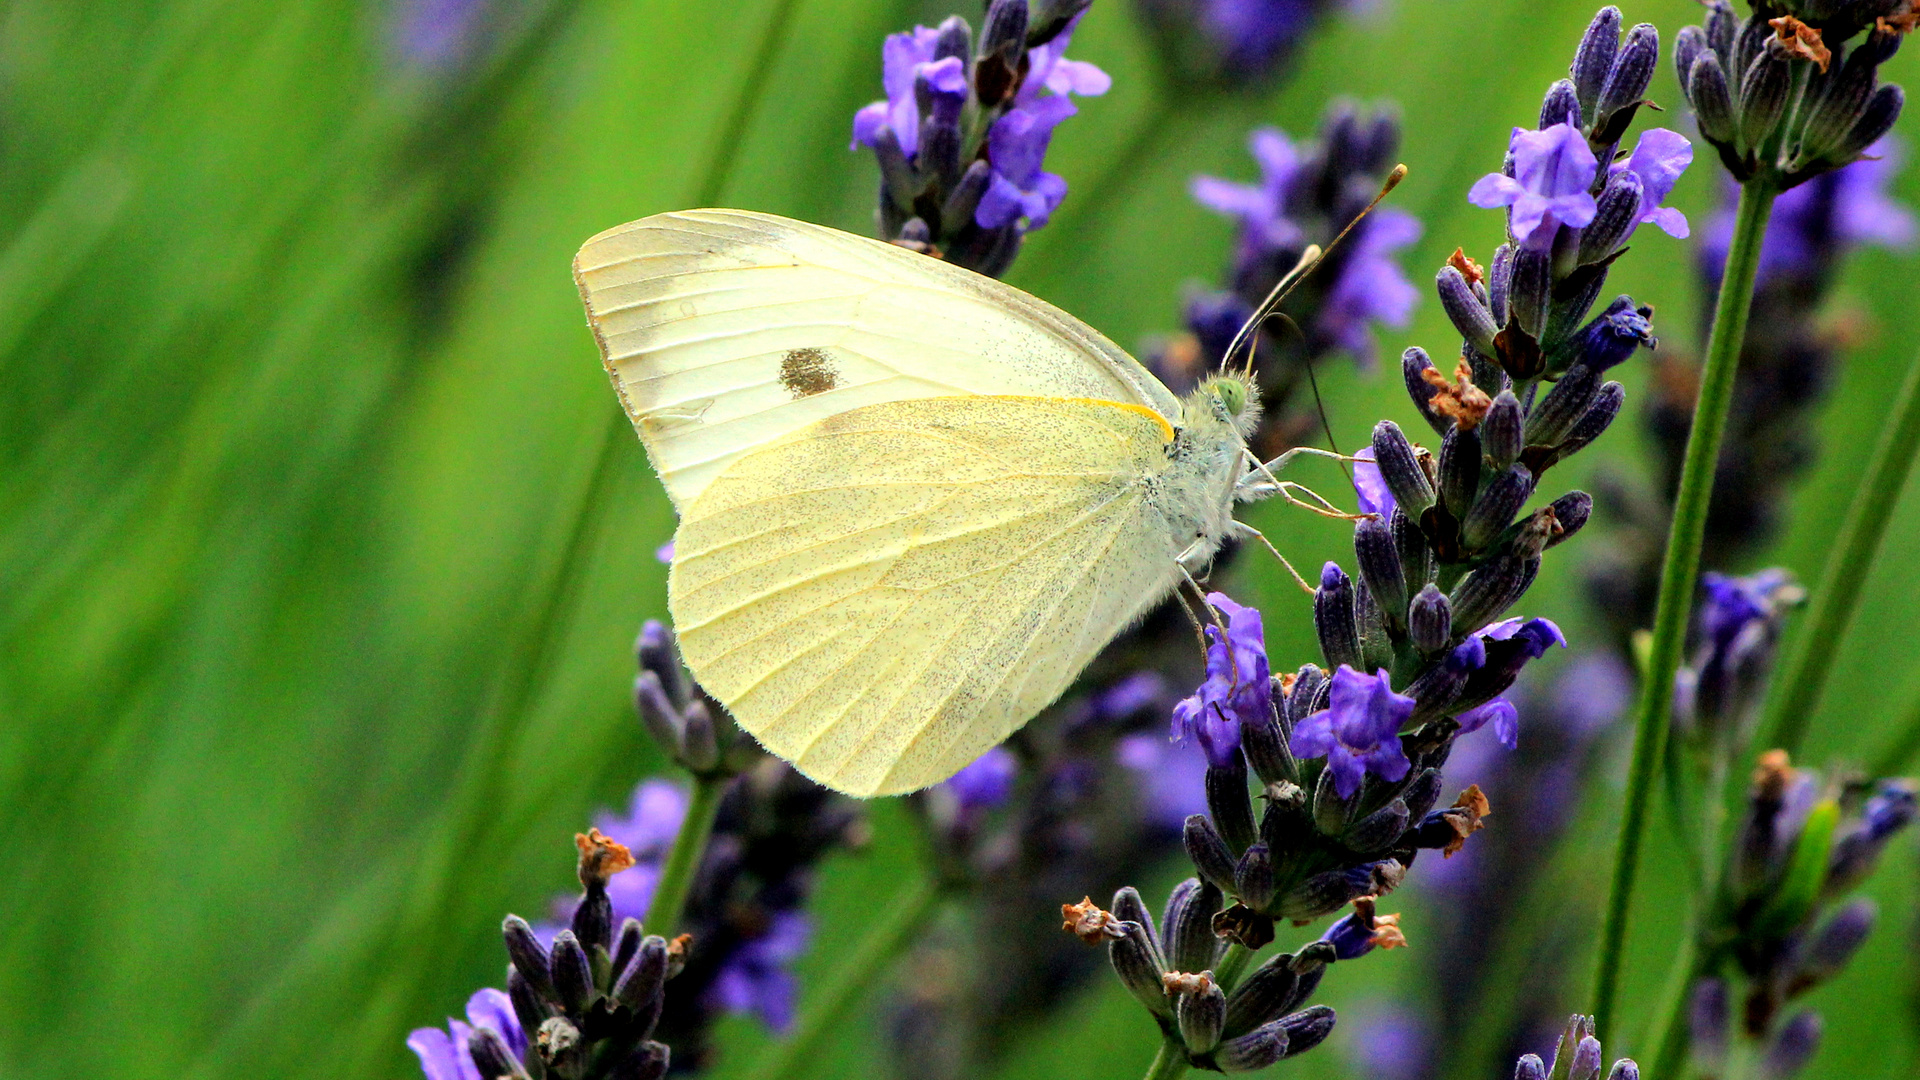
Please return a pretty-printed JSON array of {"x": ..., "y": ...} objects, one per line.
[
  {"x": 1678, "y": 575},
  {"x": 1169, "y": 1063},
  {"x": 683, "y": 861},
  {"x": 1849, "y": 560},
  {"x": 1670, "y": 1040},
  {"x": 828, "y": 1006}
]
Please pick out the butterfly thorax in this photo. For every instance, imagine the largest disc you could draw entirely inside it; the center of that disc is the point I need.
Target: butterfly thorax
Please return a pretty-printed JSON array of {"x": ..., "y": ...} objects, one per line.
[{"x": 1205, "y": 461}]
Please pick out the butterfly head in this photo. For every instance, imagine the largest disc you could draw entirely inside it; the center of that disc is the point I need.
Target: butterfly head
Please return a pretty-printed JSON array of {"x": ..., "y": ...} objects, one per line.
[{"x": 1229, "y": 400}]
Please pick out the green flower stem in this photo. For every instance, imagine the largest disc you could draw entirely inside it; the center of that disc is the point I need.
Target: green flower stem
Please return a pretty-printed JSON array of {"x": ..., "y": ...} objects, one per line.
[
  {"x": 1832, "y": 604},
  {"x": 828, "y": 1006},
  {"x": 1232, "y": 966},
  {"x": 683, "y": 861},
  {"x": 1678, "y": 576},
  {"x": 1169, "y": 1063}
]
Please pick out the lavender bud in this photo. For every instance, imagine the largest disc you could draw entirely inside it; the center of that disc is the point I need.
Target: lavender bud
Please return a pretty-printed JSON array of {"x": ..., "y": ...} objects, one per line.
[
  {"x": 1556, "y": 412},
  {"x": 1632, "y": 72},
  {"x": 528, "y": 956},
  {"x": 1594, "y": 59},
  {"x": 1836, "y": 943},
  {"x": 1712, "y": 101},
  {"x": 940, "y": 137},
  {"x": 528, "y": 1007},
  {"x": 1529, "y": 1067},
  {"x": 657, "y": 711},
  {"x": 1334, "y": 620},
  {"x": 1875, "y": 120},
  {"x": 1834, "y": 113},
  {"x": 1687, "y": 47},
  {"x": 1380, "y": 572},
  {"x": 1137, "y": 963},
  {"x": 1400, "y": 470},
  {"x": 654, "y": 652},
  {"x": 1005, "y": 32},
  {"x": 1256, "y": 1050},
  {"x": 645, "y": 976},
  {"x": 1422, "y": 793},
  {"x": 1722, "y": 25},
  {"x": 1329, "y": 809},
  {"x": 492, "y": 1056},
  {"x": 1595, "y": 421},
  {"x": 592, "y": 920},
  {"x": 1468, "y": 314},
  {"x": 1430, "y": 620},
  {"x": 955, "y": 39},
  {"x": 1226, "y": 787},
  {"x": 1793, "y": 1046},
  {"x": 1253, "y": 877},
  {"x": 1211, "y": 857},
  {"x": 1624, "y": 1069},
  {"x": 1488, "y": 591},
  {"x": 1572, "y": 511},
  {"x": 701, "y": 742},
  {"x": 1307, "y": 1028},
  {"x": 572, "y": 973},
  {"x": 1586, "y": 1060},
  {"x": 1201, "y": 1015},
  {"x": 1304, "y": 698},
  {"x": 964, "y": 199},
  {"x": 1615, "y": 214},
  {"x": 1763, "y": 94},
  {"x": 1266, "y": 749},
  {"x": 1412, "y": 363},
  {"x": 1528, "y": 294},
  {"x": 626, "y": 944},
  {"x": 1411, "y": 547},
  {"x": 1262, "y": 997},
  {"x": 1494, "y": 510},
  {"x": 1380, "y": 829},
  {"x": 1190, "y": 941},
  {"x": 1707, "y": 1022},
  {"x": 1562, "y": 105},
  {"x": 1460, "y": 455},
  {"x": 1128, "y": 907},
  {"x": 1500, "y": 432},
  {"x": 1500, "y": 282}
]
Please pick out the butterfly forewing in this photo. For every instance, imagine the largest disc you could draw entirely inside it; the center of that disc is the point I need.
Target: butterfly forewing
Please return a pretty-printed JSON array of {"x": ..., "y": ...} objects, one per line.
[
  {"x": 726, "y": 330},
  {"x": 884, "y": 594}
]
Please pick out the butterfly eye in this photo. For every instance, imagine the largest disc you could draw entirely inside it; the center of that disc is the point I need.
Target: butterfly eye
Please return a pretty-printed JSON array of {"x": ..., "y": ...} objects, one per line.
[{"x": 1233, "y": 394}]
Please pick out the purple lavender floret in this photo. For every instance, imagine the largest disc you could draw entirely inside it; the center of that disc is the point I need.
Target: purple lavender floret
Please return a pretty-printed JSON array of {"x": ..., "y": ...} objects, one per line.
[
  {"x": 905, "y": 59},
  {"x": 444, "y": 1055},
  {"x": 1016, "y": 145},
  {"x": 1658, "y": 159},
  {"x": 1359, "y": 732},
  {"x": 1546, "y": 184},
  {"x": 1238, "y": 688},
  {"x": 1501, "y": 714},
  {"x": 1369, "y": 486}
]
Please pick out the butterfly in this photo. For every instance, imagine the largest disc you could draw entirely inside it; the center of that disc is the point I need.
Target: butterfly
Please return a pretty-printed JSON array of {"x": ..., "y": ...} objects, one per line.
[{"x": 914, "y": 501}]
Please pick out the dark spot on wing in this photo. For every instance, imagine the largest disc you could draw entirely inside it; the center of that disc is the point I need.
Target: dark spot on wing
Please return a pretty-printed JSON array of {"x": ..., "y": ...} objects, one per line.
[{"x": 806, "y": 372}]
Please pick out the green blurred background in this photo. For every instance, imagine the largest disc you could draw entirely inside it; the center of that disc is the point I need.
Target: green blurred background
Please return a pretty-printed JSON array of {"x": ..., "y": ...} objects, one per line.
[{"x": 322, "y": 544}]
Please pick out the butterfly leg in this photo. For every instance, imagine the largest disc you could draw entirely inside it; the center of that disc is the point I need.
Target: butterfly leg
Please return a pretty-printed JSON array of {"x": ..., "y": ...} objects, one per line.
[{"x": 1243, "y": 531}]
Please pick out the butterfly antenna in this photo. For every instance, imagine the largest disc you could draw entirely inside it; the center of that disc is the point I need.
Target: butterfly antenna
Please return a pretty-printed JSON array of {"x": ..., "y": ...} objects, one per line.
[{"x": 1310, "y": 258}]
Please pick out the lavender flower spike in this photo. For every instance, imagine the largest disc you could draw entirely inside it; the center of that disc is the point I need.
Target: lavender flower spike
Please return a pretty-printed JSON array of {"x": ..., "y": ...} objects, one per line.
[
  {"x": 1238, "y": 688},
  {"x": 1552, "y": 172},
  {"x": 1359, "y": 732}
]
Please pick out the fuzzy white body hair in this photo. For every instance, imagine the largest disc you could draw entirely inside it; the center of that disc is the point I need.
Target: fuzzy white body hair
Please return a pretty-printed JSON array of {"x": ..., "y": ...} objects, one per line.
[{"x": 1205, "y": 463}]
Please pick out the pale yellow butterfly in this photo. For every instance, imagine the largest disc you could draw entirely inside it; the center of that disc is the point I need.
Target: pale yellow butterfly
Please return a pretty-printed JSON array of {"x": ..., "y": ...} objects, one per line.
[{"x": 914, "y": 501}]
